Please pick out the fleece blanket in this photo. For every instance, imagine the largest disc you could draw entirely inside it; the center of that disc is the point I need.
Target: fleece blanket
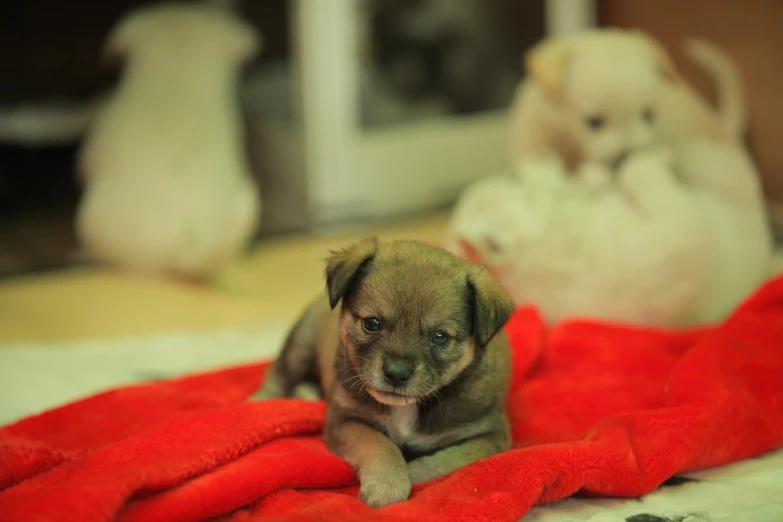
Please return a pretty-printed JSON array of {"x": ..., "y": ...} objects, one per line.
[{"x": 596, "y": 410}]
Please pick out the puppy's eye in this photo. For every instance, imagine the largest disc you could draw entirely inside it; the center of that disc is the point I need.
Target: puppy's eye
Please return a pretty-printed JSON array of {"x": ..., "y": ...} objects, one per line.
[
  {"x": 439, "y": 338},
  {"x": 595, "y": 122},
  {"x": 649, "y": 115},
  {"x": 371, "y": 325}
]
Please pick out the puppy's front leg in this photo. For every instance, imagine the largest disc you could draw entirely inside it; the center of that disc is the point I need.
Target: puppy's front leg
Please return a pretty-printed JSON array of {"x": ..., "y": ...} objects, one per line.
[
  {"x": 378, "y": 462},
  {"x": 451, "y": 458},
  {"x": 594, "y": 178}
]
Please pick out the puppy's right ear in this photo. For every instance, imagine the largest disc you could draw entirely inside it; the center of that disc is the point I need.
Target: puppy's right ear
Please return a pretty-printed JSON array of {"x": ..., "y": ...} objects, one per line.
[
  {"x": 343, "y": 266},
  {"x": 122, "y": 38},
  {"x": 492, "y": 306},
  {"x": 547, "y": 62}
]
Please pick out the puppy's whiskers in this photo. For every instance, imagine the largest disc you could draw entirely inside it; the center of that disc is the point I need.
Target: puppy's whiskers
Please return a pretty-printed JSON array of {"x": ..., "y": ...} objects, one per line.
[
  {"x": 355, "y": 380},
  {"x": 430, "y": 394},
  {"x": 346, "y": 378},
  {"x": 365, "y": 386}
]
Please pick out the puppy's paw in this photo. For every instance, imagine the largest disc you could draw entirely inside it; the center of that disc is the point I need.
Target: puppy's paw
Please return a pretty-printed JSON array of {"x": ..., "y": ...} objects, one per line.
[
  {"x": 541, "y": 170},
  {"x": 647, "y": 165},
  {"x": 659, "y": 155},
  {"x": 385, "y": 488},
  {"x": 594, "y": 177}
]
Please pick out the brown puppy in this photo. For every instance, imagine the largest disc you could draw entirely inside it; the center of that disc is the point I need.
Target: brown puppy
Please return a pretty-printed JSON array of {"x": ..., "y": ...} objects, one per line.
[{"x": 410, "y": 364}]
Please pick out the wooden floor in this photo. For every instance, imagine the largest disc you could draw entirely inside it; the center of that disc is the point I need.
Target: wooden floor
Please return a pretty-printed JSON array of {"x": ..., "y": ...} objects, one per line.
[{"x": 274, "y": 282}]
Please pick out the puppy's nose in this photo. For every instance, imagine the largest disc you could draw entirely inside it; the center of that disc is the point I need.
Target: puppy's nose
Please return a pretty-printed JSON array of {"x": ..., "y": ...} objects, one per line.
[
  {"x": 397, "y": 371},
  {"x": 493, "y": 245}
]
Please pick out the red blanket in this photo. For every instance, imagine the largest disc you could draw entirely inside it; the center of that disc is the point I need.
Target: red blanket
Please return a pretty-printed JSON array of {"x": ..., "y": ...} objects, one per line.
[{"x": 596, "y": 410}]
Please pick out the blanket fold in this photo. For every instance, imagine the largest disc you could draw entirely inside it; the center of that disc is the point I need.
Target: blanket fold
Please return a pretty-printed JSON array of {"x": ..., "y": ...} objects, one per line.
[{"x": 596, "y": 409}]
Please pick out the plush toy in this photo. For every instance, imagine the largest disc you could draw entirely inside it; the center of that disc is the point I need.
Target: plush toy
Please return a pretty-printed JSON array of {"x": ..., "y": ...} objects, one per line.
[
  {"x": 677, "y": 237},
  {"x": 168, "y": 187}
]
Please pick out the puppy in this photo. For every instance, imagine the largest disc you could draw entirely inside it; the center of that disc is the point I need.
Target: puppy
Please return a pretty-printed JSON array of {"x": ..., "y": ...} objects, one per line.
[
  {"x": 635, "y": 254},
  {"x": 594, "y": 97},
  {"x": 168, "y": 187},
  {"x": 680, "y": 239},
  {"x": 412, "y": 363}
]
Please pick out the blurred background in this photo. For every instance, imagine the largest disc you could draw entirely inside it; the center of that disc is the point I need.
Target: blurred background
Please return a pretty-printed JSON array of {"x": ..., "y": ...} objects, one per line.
[
  {"x": 360, "y": 116},
  {"x": 399, "y": 70},
  {"x": 361, "y": 138}
]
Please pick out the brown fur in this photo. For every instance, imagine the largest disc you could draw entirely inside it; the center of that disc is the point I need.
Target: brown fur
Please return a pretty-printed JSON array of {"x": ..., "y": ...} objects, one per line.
[{"x": 450, "y": 411}]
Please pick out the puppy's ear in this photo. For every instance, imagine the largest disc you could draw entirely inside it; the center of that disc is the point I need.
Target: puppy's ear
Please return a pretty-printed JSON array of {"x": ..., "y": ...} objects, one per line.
[
  {"x": 662, "y": 57},
  {"x": 244, "y": 42},
  {"x": 343, "y": 266},
  {"x": 547, "y": 62},
  {"x": 491, "y": 305},
  {"x": 665, "y": 63},
  {"x": 250, "y": 43},
  {"x": 123, "y": 37}
]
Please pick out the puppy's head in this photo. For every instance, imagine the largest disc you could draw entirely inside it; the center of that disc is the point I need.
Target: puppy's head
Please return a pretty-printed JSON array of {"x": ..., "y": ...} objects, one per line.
[
  {"x": 183, "y": 30},
  {"x": 607, "y": 83},
  {"x": 413, "y": 317}
]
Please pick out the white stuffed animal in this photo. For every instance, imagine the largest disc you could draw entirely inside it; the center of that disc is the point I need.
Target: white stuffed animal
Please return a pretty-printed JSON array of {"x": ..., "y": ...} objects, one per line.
[
  {"x": 664, "y": 244},
  {"x": 168, "y": 186}
]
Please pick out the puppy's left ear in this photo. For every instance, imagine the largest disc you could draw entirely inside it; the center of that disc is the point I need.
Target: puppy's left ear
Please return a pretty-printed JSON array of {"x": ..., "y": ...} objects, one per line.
[
  {"x": 248, "y": 43},
  {"x": 662, "y": 58},
  {"x": 344, "y": 266},
  {"x": 492, "y": 307},
  {"x": 547, "y": 62}
]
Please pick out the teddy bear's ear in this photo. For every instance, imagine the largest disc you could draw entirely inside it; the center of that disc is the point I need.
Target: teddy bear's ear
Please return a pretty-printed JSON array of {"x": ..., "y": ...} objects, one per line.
[{"x": 547, "y": 62}]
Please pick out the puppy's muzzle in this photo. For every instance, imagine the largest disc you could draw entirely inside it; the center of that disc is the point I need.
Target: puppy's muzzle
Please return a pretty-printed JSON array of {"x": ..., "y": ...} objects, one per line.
[
  {"x": 616, "y": 162},
  {"x": 397, "y": 371}
]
